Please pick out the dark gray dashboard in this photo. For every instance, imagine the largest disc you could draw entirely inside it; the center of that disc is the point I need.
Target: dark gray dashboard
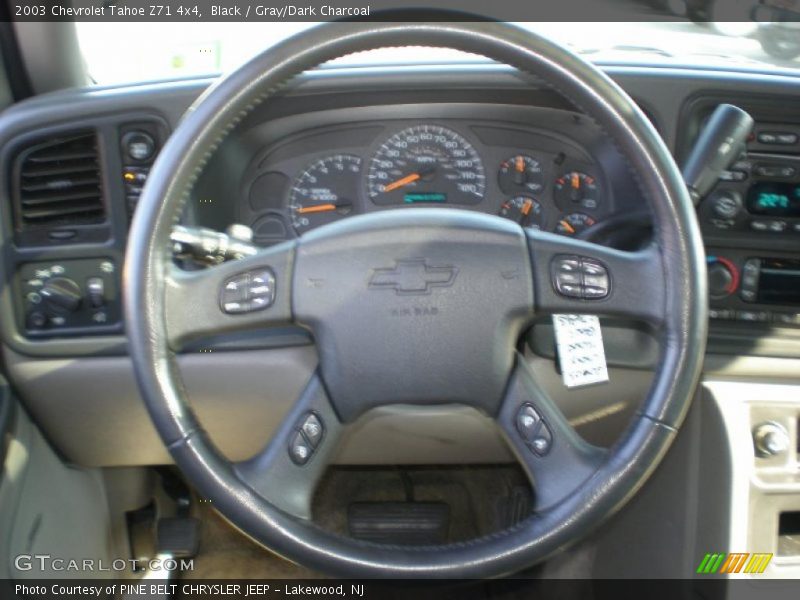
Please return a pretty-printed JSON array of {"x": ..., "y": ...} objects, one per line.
[{"x": 500, "y": 112}]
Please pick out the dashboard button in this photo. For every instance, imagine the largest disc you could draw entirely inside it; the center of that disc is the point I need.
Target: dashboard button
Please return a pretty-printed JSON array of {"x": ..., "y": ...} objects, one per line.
[
  {"x": 139, "y": 145},
  {"x": 766, "y": 137},
  {"x": 786, "y": 318},
  {"x": 753, "y": 316},
  {"x": 777, "y": 226},
  {"x": 759, "y": 225},
  {"x": 721, "y": 314}
]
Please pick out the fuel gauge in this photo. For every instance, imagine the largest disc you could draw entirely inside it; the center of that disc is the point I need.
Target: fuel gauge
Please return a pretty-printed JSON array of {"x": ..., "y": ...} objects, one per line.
[{"x": 574, "y": 223}]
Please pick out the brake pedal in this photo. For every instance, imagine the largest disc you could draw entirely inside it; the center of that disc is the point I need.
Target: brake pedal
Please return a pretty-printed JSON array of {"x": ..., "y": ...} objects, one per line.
[
  {"x": 178, "y": 537},
  {"x": 403, "y": 523}
]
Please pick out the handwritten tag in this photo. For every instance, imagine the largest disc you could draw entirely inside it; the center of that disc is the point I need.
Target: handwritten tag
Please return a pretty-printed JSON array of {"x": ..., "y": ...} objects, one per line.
[{"x": 579, "y": 343}]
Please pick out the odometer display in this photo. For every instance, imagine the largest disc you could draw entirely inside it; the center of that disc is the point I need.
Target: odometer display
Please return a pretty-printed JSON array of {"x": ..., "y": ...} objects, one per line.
[{"x": 426, "y": 161}]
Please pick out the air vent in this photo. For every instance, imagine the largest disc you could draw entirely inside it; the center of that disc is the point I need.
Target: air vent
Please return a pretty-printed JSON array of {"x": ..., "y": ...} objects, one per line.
[{"x": 58, "y": 183}]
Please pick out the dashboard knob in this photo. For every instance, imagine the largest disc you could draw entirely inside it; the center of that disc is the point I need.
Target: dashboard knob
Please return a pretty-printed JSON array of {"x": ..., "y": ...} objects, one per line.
[
  {"x": 723, "y": 277},
  {"x": 726, "y": 204},
  {"x": 770, "y": 439},
  {"x": 62, "y": 294}
]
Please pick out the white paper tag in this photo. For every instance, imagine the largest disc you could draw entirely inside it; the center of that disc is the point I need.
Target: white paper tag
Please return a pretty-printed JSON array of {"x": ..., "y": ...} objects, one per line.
[{"x": 579, "y": 342}]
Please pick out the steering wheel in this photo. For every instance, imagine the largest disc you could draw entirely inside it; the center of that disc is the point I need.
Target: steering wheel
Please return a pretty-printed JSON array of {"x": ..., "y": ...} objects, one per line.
[{"x": 417, "y": 306}]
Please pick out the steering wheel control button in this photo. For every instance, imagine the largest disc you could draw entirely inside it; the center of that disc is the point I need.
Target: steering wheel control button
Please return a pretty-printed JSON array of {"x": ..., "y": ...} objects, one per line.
[
  {"x": 580, "y": 277},
  {"x": 300, "y": 450},
  {"x": 541, "y": 444},
  {"x": 533, "y": 430},
  {"x": 312, "y": 429},
  {"x": 248, "y": 292},
  {"x": 528, "y": 422},
  {"x": 306, "y": 439}
]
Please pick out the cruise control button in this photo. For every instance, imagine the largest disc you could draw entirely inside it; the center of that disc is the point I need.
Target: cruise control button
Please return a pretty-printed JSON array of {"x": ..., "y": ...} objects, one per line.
[
  {"x": 299, "y": 449},
  {"x": 248, "y": 292},
  {"x": 569, "y": 290},
  {"x": 541, "y": 444},
  {"x": 313, "y": 430},
  {"x": 528, "y": 421},
  {"x": 591, "y": 292}
]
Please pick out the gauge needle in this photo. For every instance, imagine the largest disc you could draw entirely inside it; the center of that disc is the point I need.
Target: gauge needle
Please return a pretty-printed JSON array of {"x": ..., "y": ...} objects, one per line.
[
  {"x": 320, "y": 208},
  {"x": 565, "y": 224},
  {"x": 520, "y": 164},
  {"x": 401, "y": 182},
  {"x": 576, "y": 181},
  {"x": 526, "y": 208}
]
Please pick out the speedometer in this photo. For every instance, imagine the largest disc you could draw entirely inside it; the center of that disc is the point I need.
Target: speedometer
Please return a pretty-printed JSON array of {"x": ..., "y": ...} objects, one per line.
[{"x": 426, "y": 164}]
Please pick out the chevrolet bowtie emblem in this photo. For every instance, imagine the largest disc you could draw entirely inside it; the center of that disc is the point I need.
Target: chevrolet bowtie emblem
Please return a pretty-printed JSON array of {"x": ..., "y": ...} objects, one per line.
[{"x": 412, "y": 277}]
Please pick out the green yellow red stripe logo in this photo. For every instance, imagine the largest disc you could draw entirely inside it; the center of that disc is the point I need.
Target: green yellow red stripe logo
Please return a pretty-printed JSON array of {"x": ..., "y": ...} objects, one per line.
[{"x": 734, "y": 562}]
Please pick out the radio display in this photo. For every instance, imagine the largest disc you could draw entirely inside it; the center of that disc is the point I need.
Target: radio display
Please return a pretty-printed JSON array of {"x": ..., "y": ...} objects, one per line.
[{"x": 774, "y": 199}]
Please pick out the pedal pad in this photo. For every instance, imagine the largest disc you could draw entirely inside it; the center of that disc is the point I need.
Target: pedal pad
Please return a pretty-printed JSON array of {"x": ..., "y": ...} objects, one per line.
[
  {"x": 403, "y": 523},
  {"x": 178, "y": 536}
]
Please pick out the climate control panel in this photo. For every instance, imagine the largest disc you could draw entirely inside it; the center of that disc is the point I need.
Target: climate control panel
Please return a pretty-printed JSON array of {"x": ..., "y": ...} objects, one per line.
[
  {"x": 749, "y": 287},
  {"x": 69, "y": 297}
]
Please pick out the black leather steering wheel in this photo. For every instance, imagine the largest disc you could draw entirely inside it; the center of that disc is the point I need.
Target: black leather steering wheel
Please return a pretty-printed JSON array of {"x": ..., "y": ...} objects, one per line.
[{"x": 358, "y": 285}]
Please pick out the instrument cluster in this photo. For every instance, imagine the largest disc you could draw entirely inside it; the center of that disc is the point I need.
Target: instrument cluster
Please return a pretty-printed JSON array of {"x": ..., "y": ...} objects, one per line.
[{"x": 558, "y": 188}]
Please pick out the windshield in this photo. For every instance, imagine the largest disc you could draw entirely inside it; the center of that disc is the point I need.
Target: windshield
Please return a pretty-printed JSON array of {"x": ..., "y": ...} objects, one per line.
[{"x": 130, "y": 52}]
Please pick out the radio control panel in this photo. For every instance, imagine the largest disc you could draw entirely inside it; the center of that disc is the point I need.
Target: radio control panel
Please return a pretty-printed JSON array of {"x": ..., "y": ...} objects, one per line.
[{"x": 759, "y": 195}]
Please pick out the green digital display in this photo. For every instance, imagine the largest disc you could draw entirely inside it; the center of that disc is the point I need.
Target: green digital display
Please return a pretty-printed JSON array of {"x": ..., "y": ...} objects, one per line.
[
  {"x": 424, "y": 197},
  {"x": 771, "y": 200},
  {"x": 774, "y": 199}
]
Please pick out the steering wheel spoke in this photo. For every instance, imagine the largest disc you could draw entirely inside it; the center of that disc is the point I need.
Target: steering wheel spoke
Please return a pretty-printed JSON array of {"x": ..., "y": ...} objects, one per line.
[
  {"x": 286, "y": 471},
  {"x": 577, "y": 277},
  {"x": 554, "y": 456},
  {"x": 248, "y": 293}
]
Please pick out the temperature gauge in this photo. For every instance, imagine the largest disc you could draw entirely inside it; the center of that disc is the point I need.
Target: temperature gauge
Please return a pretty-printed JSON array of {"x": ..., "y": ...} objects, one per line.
[
  {"x": 576, "y": 189},
  {"x": 520, "y": 174},
  {"x": 523, "y": 210},
  {"x": 574, "y": 223}
]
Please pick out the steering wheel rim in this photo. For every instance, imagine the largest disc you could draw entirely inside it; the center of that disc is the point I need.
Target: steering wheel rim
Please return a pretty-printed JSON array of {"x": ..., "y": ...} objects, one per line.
[{"x": 673, "y": 298}]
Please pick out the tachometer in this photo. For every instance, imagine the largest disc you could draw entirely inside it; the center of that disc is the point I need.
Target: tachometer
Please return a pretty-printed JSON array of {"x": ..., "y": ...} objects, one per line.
[
  {"x": 426, "y": 164},
  {"x": 324, "y": 192}
]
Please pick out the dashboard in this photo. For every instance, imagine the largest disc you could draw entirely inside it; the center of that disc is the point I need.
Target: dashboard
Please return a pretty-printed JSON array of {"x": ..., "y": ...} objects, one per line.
[
  {"x": 342, "y": 143},
  {"x": 535, "y": 166}
]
